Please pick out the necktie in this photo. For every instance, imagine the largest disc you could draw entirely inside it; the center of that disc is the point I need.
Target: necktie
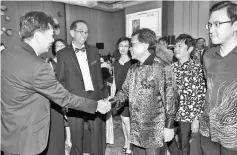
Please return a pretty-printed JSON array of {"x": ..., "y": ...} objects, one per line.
[{"x": 80, "y": 50}]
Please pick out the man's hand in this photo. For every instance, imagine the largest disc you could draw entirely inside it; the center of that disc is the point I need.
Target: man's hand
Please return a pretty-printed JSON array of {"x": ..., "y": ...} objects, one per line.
[
  {"x": 195, "y": 126},
  {"x": 104, "y": 106},
  {"x": 168, "y": 134}
]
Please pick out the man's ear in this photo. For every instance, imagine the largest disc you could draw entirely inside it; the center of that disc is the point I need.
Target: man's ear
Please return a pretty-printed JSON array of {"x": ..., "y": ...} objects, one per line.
[
  {"x": 37, "y": 36},
  {"x": 190, "y": 49},
  {"x": 234, "y": 25},
  {"x": 146, "y": 46},
  {"x": 72, "y": 33}
]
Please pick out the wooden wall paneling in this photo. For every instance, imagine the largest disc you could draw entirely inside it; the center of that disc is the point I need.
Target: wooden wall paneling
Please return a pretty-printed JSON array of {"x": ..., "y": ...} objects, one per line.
[
  {"x": 93, "y": 27},
  {"x": 37, "y": 6},
  {"x": 60, "y": 7},
  {"x": 186, "y": 17},
  {"x": 178, "y": 18},
  {"x": 194, "y": 18},
  {"x": 104, "y": 31},
  {"x": 203, "y": 20},
  {"x": 12, "y": 11},
  {"x": 168, "y": 18},
  {"x": 68, "y": 22},
  {"x": 191, "y": 17},
  {"x": 118, "y": 28}
]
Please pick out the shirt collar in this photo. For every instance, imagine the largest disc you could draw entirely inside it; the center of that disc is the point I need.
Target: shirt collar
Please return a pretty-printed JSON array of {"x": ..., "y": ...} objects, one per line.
[
  {"x": 185, "y": 63},
  {"x": 149, "y": 60},
  {"x": 218, "y": 50},
  {"x": 199, "y": 49},
  {"x": 28, "y": 48},
  {"x": 235, "y": 50},
  {"x": 74, "y": 46}
]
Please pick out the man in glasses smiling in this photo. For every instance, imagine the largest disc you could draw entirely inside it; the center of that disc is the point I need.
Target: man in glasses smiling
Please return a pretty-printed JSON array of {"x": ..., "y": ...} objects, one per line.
[
  {"x": 79, "y": 70},
  {"x": 218, "y": 124}
]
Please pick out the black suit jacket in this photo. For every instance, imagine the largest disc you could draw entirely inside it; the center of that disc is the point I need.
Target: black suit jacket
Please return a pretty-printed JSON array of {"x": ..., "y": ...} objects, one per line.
[
  {"x": 70, "y": 76},
  {"x": 28, "y": 83}
]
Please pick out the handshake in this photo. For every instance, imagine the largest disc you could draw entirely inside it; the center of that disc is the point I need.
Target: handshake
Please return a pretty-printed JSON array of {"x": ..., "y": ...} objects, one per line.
[{"x": 104, "y": 105}]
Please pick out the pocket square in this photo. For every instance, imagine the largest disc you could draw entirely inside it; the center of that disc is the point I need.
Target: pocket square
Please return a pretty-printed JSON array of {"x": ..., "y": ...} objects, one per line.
[{"x": 93, "y": 62}]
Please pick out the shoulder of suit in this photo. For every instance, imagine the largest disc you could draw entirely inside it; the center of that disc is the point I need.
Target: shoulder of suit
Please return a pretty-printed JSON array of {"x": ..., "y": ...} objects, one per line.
[
  {"x": 91, "y": 47},
  {"x": 28, "y": 56},
  {"x": 65, "y": 50},
  {"x": 210, "y": 51},
  {"x": 25, "y": 59}
]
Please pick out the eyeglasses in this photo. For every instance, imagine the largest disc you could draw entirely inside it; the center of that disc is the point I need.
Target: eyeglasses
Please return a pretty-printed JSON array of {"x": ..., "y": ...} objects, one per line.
[
  {"x": 133, "y": 44},
  {"x": 82, "y": 32},
  {"x": 216, "y": 24}
]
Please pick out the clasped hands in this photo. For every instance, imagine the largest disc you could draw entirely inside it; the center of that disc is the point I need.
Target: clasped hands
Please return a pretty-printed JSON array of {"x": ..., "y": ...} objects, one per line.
[
  {"x": 168, "y": 134},
  {"x": 104, "y": 106}
]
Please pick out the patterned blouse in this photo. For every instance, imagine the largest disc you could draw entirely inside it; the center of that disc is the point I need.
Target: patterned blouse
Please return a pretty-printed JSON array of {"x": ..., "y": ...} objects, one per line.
[
  {"x": 191, "y": 90},
  {"x": 150, "y": 89}
]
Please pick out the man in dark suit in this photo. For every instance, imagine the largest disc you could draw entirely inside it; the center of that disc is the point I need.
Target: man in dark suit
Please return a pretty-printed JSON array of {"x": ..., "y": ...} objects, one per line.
[
  {"x": 79, "y": 71},
  {"x": 28, "y": 83},
  {"x": 201, "y": 48}
]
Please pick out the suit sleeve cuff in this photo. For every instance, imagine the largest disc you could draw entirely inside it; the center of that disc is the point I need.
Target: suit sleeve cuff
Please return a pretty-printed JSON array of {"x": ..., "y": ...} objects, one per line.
[{"x": 169, "y": 124}]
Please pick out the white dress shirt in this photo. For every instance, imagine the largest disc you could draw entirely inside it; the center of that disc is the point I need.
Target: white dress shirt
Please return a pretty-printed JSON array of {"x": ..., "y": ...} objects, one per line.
[{"x": 83, "y": 63}]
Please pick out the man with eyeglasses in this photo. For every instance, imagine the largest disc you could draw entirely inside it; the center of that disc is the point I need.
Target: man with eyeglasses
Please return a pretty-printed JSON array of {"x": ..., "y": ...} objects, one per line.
[
  {"x": 218, "y": 123},
  {"x": 28, "y": 83},
  {"x": 79, "y": 70}
]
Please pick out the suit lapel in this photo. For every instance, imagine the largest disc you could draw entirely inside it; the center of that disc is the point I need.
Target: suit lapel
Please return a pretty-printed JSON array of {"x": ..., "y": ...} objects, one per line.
[
  {"x": 89, "y": 58},
  {"x": 74, "y": 58}
]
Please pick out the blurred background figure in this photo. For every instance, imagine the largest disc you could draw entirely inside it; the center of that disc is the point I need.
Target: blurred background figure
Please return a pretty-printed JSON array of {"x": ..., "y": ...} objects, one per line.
[
  {"x": 121, "y": 67},
  {"x": 163, "y": 52},
  {"x": 57, "y": 46},
  {"x": 105, "y": 67},
  {"x": 200, "y": 49}
]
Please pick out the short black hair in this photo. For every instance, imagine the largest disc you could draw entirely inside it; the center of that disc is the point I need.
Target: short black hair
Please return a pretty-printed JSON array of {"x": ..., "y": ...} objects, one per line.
[
  {"x": 74, "y": 24},
  {"x": 148, "y": 36},
  {"x": 231, "y": 9},
  {"x": 54, "y": 45},
  {"x": 34, "y": 20},
  {"x": 164, "y": 39},
  {"x": 200, "y": 39},
  {"x": 188, "y": 40}
]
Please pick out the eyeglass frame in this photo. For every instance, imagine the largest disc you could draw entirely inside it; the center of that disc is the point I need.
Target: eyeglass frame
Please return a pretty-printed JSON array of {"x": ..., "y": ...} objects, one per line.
[
  {"x": 133, "y": 44},
  {"x": 217, "y": 24},
  {"x": 82, "y": 32}
]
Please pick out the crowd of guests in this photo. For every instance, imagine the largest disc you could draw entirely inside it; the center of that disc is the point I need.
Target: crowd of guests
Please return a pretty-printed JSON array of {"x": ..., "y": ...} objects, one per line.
[{"x": 165, "y": 95}]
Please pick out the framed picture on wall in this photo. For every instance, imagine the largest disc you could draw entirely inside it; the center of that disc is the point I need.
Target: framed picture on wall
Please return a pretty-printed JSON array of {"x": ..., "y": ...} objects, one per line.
[{"x": 145, "y": 19}]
